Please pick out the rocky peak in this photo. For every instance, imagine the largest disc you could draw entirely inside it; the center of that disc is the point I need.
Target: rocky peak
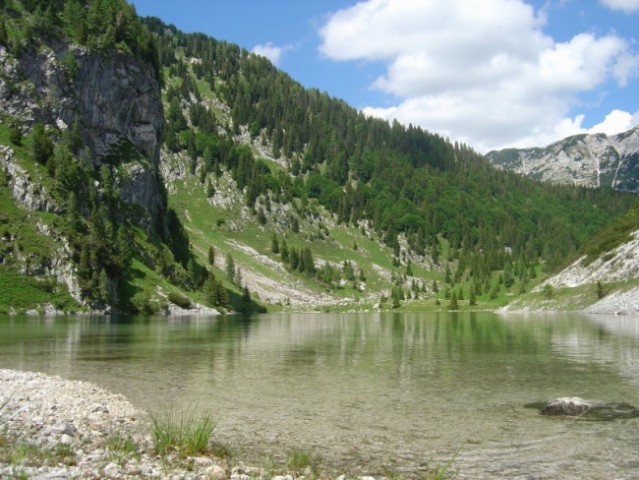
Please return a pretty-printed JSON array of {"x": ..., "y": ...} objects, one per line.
[{"x": 595, "y": 160}]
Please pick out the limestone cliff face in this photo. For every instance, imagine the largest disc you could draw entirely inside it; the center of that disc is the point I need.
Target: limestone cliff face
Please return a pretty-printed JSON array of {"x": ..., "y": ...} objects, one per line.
[
  {"x": 114, "y": 100},
  {"x": 587, "y": 160}
]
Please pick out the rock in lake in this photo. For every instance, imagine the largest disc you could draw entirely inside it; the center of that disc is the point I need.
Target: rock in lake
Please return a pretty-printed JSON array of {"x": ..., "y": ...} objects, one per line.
[
  {"x": 578, "y": 407},
  {"x": 572, "y": 406}
]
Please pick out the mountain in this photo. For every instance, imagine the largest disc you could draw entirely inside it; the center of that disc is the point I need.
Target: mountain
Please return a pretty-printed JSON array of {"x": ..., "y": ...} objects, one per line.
[
  {"x": 146, "y": 170},
  {"x": 595, "y": 160}
]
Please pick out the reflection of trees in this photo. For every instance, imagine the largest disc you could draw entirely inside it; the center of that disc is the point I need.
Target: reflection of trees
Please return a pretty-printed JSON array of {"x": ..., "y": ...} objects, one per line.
[{"x": 414, "y": 350}]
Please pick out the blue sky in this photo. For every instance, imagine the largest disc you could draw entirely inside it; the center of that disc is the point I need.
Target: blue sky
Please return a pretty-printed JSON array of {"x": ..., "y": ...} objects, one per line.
[{"x": 491, "y": 73}]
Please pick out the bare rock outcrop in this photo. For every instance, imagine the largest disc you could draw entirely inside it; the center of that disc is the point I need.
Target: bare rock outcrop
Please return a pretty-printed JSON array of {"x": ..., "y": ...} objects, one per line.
[{"x": 113, "y": 100}]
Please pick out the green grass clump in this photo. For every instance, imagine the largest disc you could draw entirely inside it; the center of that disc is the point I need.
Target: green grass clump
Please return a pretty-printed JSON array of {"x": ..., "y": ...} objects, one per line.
[
  {"x": 298, "y": 460},
  {"x": 181, "y": 433},
  {"x": 14, "y": 452},
  {"x": 121, "y": 446}
]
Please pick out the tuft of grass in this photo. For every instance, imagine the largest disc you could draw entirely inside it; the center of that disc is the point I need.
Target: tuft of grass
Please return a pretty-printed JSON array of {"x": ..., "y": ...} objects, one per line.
[
  {"x": 16, "y": 452},
  {"x": 298, "y": 459},
  {"x": 121, "y": 446},
  {"x": 223, "y": 450},
  {"x": 181, "y": 432}
]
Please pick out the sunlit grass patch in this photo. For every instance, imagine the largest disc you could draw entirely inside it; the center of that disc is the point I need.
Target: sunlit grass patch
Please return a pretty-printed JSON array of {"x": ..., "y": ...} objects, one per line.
[{"x": 181, "y": 432}]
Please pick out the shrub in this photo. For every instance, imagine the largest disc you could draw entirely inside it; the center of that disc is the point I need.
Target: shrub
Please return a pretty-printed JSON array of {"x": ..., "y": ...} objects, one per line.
[
  {"x": 15, "y": 135},
  {"x": 180, "y": 300}
]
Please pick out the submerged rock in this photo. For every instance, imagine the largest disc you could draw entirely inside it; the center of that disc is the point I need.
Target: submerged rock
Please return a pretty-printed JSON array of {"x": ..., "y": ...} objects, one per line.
[
  {"x": 578, "y": 407},
  {"x": 572, "y": 406}
]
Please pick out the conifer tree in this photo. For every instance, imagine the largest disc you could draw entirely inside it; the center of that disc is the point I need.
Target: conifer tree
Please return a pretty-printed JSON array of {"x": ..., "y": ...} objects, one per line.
[
  {"x": 41, "y": 145},
  {"x": 409, "y": 269},
  {"x": 309, "y": 263},
  {"x": 221, "y": 296},
  {"x": 453, "y": 305},
  {"x": 230, "y": 267},
  {"x": 395, "y": 298},
  {"x": 472, "y": 299}
]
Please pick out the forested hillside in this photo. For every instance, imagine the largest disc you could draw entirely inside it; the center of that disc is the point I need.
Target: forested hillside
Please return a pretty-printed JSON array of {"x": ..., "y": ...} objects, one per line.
[
  {"x": 400, "y": 180},
  {"x": 229, "y": 173}
]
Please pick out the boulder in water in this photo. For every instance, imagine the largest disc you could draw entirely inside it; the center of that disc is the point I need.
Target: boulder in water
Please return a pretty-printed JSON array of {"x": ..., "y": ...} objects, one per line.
[
  {"x": 572, "y": 406},
  {"x": 578, "y": 407}
]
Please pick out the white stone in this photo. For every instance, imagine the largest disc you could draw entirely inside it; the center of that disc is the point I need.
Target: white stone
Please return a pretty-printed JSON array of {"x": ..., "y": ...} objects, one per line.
[{"x": 215, "y": 472}]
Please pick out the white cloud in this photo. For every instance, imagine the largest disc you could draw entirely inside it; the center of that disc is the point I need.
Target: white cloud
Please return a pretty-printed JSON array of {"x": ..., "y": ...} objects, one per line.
[
  {"x": 615, "y": 122},
  {"x": 487, "y": 75},
  {"x": 270, "y": 51},
  {"x": 627, "y": 6}
]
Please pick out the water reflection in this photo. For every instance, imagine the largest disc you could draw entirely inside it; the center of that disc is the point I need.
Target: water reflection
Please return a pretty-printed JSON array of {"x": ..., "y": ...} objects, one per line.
[{"x": 367, "y": 392}]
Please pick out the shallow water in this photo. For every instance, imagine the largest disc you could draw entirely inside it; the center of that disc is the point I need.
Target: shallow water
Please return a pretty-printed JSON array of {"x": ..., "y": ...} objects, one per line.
[{"x": 368, "y": 393}]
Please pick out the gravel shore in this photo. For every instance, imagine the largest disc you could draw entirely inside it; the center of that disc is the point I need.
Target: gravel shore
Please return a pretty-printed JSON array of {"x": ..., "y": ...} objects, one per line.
[{"x": 55, "y": 429}]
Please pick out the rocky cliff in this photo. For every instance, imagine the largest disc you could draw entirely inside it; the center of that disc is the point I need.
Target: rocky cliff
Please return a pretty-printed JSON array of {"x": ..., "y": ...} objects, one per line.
[
  {"x": 111, "y": 108},
  {"x": 113, "y": 101},
  {"x": 587, "y": 160}
]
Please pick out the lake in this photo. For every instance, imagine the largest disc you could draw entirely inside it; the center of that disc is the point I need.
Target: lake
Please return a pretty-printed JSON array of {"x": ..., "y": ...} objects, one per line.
[{"x": 374, "y": 393}]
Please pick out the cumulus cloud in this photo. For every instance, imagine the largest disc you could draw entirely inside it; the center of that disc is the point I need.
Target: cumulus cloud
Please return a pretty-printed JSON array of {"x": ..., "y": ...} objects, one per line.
[
  {"x": 615, "y": 122},
  {"x": 627, "y": 6},
  {"x": 487, "y": 75},
  {"x": 270, "y": 51}
]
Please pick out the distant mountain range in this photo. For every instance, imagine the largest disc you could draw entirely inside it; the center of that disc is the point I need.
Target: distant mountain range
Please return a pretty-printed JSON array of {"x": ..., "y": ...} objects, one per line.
[{"x": 595, "y": 160}]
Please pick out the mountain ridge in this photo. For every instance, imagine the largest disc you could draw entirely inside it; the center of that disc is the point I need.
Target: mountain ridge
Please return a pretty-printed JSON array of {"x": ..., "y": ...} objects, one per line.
[{"x": 590, "y": 160}]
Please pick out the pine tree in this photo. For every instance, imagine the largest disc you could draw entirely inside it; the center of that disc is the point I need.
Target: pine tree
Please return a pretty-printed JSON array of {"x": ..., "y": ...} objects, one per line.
[
  {"x": 447, "y": 279},
  {"x": 211, "y": 255},
  {"x": 395, "y": 298},
  {"x": 221, "y": 296},
  {"x": 362, "y": 277},
  {"x": 245, "y": 301},
  {"x": 41, "y": 145},
  {"x": 409, "y": 269},
  {"x": 275, "y": 245},
  {"x": 472, "y": 300},
  {"x": 453, "y": 305},
  {"x": 230, "y": 267},
  {"x": 309, "y": 263},
  {"x": 210, "y": 289}
]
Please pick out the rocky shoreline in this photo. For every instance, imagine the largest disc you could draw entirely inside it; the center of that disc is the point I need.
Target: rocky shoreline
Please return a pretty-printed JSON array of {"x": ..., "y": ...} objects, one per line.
[{"x": 57, "y": 429}]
